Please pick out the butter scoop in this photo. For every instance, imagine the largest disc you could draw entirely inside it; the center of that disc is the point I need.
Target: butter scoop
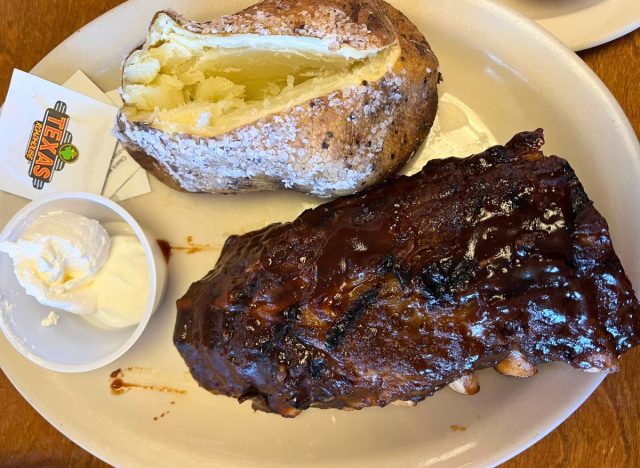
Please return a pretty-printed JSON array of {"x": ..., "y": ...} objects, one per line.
[
  {"x": 56, "y": 258},
  {"x": 122, "y": 285}
]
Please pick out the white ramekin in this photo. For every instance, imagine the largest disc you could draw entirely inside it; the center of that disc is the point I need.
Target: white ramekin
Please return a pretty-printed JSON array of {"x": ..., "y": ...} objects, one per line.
[{"x": 73, "y": 345}]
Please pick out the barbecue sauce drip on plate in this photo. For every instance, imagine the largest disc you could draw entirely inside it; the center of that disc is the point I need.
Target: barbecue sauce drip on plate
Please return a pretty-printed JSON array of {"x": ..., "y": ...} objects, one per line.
[
  {"x": 119, "y": 386},
  {"x": 191, "y": 247},
  {"x": 165, "y": 248}
]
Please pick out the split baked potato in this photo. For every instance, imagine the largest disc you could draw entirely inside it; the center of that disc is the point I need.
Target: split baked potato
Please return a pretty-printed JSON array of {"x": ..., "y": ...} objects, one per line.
[{"x": 325, "y": 97}]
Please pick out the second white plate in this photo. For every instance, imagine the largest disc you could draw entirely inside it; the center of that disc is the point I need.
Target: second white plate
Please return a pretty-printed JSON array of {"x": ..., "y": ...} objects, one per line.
[{"x": 581, "y": 24}]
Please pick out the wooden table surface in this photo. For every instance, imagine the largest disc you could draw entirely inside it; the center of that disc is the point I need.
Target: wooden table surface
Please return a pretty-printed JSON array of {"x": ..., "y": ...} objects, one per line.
[{"x": 604, "y": 431}]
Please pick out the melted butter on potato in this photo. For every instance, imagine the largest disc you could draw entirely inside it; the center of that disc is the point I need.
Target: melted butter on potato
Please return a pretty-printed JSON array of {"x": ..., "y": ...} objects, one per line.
[{"x": 208, "y": 84}]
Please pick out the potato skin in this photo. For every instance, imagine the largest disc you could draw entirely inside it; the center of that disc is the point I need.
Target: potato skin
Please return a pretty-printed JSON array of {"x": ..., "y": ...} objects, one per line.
[{"x": 329, "y": 146}]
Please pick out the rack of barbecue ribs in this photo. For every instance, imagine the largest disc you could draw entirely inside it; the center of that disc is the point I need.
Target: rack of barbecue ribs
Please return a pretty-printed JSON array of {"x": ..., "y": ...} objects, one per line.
[{"x": 495, "y": 260}]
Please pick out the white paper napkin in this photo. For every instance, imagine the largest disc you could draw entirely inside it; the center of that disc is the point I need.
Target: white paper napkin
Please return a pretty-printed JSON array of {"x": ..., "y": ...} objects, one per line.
[
  {"x": 53, "y": 139},
  {"x": 125, "y": 179}
]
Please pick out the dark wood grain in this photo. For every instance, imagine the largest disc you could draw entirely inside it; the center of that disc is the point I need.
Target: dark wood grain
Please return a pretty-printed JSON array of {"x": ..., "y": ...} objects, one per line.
[{"x": 605, "y": 431}]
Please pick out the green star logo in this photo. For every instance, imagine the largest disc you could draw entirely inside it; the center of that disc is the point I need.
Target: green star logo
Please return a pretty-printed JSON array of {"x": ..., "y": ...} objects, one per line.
[{"x": 68, "y": 153}]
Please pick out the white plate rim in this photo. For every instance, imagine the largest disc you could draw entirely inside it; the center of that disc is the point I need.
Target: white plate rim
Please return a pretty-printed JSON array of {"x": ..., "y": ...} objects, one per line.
[
  {"x": 624, "y": 17},
  {"x": 106, "y": 453}
]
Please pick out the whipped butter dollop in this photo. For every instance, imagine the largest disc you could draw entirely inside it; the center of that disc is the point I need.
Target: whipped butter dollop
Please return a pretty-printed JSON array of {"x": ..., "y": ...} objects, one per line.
[
  {"x": 57, "y": 256},
  {"x": 70, "y": 262}
]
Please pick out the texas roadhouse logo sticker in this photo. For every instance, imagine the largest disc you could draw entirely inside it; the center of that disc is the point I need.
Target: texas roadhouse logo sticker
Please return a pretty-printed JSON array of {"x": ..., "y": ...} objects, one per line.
[{"x": 50, "y": 147}]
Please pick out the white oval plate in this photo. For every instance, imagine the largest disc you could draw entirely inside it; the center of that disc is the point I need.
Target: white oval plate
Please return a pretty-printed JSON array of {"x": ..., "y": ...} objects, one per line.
[
  {"x": 501, "y": 72},
  {"x": 582, "y": 24}
]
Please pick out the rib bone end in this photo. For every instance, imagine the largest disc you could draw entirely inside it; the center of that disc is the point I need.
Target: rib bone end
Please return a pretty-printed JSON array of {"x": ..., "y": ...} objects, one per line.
[
  {"x": 516, "y": 365},
  {"x": 467, "y": 385}
]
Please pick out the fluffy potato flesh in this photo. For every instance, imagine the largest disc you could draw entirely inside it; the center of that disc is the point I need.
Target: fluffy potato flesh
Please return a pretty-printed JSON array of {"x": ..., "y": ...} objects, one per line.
[{"x": 208, "y": 84}]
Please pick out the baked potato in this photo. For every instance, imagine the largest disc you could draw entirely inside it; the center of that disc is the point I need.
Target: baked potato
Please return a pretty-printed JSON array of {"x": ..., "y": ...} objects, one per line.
[{"x": 325, "y": 98}]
